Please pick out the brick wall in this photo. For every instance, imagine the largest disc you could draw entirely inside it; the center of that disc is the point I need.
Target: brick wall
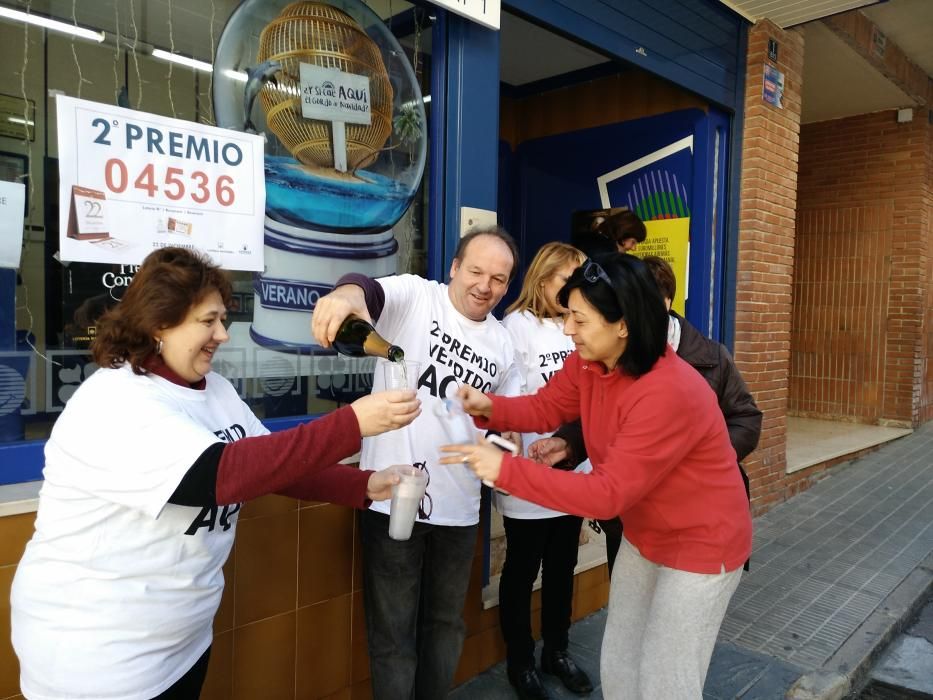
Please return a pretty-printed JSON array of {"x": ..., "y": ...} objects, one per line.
[
  {"x": 862, "y": 270},
  {"x": 766, "y": 251},
  {"x": 926, "y": 393},
  {"x": 841, "y": 291}
]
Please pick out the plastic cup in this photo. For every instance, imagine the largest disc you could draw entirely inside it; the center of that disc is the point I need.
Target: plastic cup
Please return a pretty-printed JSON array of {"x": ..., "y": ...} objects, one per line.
[
  {"x": 458, "y": 425},
  {"x": 406, "y": 497},
  {"x": 402, "y": 375}
]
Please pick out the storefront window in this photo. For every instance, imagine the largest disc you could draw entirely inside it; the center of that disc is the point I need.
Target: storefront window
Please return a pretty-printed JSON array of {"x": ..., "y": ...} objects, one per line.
[{"x": 45, "y": 353}]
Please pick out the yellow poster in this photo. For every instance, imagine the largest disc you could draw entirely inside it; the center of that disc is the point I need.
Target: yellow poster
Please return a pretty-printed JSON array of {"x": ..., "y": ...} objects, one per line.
[{"x": 670, "y": 239}]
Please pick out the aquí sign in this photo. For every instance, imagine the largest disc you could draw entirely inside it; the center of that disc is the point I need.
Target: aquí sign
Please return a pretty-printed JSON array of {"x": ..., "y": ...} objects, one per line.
[
  {"x": 341, "y": 98},
  {"x": 334, "y": 95}
]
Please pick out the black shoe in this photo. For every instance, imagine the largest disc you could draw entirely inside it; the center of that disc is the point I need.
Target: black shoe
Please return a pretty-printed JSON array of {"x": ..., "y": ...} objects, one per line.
[
  {"x": 559, "y": 663},
  {"x": 528, "y": 685}
]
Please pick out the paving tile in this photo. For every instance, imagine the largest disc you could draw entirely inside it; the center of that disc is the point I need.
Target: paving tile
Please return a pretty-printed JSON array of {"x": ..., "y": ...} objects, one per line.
[
  {"x": 733, "y": 670},
  {"x": 730, "y": 630},
  {"x": 585, "y": 640},
  {"x": 774, "y": 683},
  {"x": 923, "y": 625},
  {"x": 755, "y": 638},
  {"x": 908, "y": 664}
]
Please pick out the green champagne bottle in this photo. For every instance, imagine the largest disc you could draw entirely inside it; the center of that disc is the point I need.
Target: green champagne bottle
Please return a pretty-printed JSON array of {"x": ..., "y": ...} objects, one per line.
[{"x": 357, "y": 338}]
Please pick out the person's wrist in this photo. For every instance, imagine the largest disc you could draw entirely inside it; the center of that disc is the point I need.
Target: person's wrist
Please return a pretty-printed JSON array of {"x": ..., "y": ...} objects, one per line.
[{"x": 359, "y": 420}]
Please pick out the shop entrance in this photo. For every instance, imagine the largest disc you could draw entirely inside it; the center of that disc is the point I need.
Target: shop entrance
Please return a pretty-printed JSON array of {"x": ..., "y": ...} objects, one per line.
[{"x": 580, "y": 131}]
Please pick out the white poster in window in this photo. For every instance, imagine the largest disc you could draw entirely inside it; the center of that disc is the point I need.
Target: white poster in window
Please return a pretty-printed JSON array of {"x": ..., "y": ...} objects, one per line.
[
  {"x": 132, "y": 182},
  {"x": 12, "y": 203}
]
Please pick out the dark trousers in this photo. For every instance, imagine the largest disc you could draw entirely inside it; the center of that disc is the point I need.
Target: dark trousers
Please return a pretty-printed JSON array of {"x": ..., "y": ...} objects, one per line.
[
  {"x": 188, "y": 687},
  {"x": 613, "y": 531},
  {"x": 551, "y": 543},
  {"x": 414, "y": 593}
]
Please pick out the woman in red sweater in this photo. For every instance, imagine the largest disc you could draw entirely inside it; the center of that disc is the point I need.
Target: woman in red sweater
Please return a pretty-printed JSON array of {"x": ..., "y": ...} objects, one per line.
[{"x": 661, "y": 459}]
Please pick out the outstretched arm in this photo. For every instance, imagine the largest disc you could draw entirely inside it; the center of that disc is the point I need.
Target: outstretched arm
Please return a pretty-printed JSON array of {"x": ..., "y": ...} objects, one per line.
[
  {"x": 301, "y": 462},
  {"x": 653, "y": 439},
  {"x": 555, "y": 403},
  {"x": 287, "y": 462}
]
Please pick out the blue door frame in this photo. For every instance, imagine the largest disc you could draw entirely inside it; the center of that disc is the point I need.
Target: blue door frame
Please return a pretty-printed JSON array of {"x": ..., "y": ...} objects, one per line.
[
  {"x": 697, "y": 44},
  {"x": 465, "y": 137}
]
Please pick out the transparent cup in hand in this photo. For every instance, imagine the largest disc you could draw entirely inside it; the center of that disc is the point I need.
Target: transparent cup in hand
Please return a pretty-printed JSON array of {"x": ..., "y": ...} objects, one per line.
[
  {"x": 458, "y": 425},
  {"x": 461, "y": 430},
  {"x": 402, "y": 375},
  {"x": 406, "y": 497}
]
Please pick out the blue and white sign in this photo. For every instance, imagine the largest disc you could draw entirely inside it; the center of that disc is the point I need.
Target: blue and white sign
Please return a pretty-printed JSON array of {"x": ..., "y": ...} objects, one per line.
[{"x": 772, "y": 90}]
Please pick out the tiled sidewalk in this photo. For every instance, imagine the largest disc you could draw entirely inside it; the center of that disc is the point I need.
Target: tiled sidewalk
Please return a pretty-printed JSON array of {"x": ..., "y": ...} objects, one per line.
[
  {"x": 835, "y": 572},
  {"x": 826, "y": 559}
]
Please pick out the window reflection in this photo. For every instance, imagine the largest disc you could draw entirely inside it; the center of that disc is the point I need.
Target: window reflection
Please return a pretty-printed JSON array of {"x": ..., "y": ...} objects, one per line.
[{"x": 57, "y": 305}]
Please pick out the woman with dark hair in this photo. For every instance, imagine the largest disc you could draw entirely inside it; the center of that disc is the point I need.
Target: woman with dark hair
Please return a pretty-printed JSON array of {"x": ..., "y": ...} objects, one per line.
[
  {"x": 145, "y": 471},
  {"x": 625, "y": 229},
  {"x": 712, "y": 360},
  {"x": 607, "y": 231},
  {"x": 661, "y": 459}
]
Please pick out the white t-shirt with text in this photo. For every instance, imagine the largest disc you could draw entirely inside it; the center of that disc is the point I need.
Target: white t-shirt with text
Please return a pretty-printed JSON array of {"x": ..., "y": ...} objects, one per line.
[
  {"x": 452, "y": 350},
  {"x": 116, "y": 593},
  {"x": 541, "y": 347}
]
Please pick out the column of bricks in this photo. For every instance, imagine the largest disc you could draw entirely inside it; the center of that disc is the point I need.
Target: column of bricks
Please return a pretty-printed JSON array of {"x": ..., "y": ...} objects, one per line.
[
  {"x": 926, "y": 394},
  {"x": 910, "y": 277},
  {"x": 768, "y": 203}
]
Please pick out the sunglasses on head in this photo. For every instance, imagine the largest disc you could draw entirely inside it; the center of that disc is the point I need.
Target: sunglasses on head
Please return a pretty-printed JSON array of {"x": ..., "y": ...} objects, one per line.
[{"x": 593, "y": 272}]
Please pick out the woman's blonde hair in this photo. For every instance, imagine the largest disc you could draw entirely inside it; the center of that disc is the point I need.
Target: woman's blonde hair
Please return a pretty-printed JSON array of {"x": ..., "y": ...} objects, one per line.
[{"x": 551, "y": 258}]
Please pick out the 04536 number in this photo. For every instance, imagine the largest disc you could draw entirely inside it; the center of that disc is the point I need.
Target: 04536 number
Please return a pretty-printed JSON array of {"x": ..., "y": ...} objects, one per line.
[{"x": 174, "y": 185}]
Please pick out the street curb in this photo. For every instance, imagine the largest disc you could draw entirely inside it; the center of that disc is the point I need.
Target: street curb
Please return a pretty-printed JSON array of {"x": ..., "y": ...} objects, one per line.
[{"x": 846, "y": 671}]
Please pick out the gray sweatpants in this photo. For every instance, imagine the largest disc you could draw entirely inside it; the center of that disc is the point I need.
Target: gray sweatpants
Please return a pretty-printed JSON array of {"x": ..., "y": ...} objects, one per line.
[{"x": 661, "y": 628}]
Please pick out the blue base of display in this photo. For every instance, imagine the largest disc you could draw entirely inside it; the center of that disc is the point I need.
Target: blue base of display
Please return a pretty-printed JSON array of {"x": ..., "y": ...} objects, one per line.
[{"x": 293, "y": 348}]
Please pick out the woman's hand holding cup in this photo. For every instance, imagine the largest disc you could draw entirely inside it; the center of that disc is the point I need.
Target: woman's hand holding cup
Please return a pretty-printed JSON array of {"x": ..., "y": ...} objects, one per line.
[
  {"x": 379, "y": 486},
  {"x": 386, "y": 410},
  {"x": 475, "y": 402},
  {"x": 483, "y": 458}
]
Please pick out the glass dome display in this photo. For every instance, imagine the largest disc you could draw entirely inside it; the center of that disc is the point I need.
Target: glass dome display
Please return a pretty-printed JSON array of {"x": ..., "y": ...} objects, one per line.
[
  {"x": 358, "y": 175},
  {"x": 343, "y": 117}
]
